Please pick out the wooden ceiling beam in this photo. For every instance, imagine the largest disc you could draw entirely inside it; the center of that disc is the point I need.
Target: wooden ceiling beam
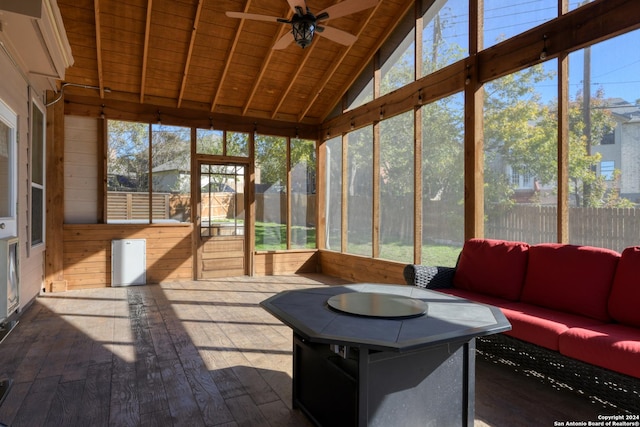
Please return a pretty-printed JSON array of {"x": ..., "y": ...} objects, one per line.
[
  {"x": 96, "y": 11},
  {"x": 383, "y": 37},
  {"x": 194, "y": 30},
  {"x": 298, "y": 71},
  {"x": 263, "y": 68},
  {"x": 78, "y": 104},
  {"x": 589, "y": 24},
  {"x": 439, "y": 84},
  {"x": 145, "y": 53},
  {"x": 294, "y": 77},
  {"x": 230, "y": 53}
]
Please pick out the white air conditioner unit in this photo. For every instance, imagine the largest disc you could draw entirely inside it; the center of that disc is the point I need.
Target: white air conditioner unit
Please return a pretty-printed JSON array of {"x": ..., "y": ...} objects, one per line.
[
  {"x": 9, "y": 278},
  {"x": 33, "y": 33}
]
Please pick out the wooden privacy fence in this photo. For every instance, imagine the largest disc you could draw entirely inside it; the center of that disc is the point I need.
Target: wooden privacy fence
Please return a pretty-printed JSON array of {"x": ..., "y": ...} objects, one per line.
[
  {"x": 442, "y": 223},
  {"x": 613, "y": 228},
  {"x": 269, "y": 207},
  {"x": 220, "y": 206},
  {"x": 272, "y": 207}
]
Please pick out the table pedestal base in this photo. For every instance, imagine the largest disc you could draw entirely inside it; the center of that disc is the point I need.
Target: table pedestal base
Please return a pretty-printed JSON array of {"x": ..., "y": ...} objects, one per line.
[{"x": 431, "y": 386}]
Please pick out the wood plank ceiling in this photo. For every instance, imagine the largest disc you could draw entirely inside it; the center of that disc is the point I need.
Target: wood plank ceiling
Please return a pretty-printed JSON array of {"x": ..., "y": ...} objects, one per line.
[{"x": 188, "y": 54}]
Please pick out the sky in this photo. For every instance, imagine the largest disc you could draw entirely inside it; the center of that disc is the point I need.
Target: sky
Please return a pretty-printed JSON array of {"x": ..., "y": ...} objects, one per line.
[{"x": 615, "y": 63}]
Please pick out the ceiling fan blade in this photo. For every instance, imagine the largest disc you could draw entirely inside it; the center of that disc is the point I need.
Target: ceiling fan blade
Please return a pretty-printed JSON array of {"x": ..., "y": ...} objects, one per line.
[
  {"x": 346, "y": 7},
  {"x": 295, "y": 4},
  {"x": 253, "y": 16},
  {"x": 284, "y": 41},
  {"x": 338, "y": 36}
]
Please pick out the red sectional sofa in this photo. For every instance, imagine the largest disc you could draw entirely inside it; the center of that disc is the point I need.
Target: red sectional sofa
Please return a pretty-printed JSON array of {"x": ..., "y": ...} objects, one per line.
[{"x": 574, "y": 309}]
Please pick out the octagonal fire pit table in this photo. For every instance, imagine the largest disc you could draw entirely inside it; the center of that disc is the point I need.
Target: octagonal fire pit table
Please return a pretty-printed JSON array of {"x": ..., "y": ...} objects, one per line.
[{"x": 384, "y": 355}]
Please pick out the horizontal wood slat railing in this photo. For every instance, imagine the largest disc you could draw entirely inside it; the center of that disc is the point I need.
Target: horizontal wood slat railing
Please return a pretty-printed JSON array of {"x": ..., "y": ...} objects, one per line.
[{"x": 125, "y": 205}]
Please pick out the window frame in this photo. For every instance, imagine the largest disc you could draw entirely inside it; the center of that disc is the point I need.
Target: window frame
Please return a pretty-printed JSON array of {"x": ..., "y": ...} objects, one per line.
[
  {"x": 10, "y": 223},
  {"x": 608, "y": 172},
  {"x": 35, "y": 103}
]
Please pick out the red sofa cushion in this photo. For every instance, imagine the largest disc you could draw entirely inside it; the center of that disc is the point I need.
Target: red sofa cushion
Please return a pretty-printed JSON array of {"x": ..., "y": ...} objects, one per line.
[
  {"x": 530, "y": 323},
  {"x": 611, "y": 346},
  {"x": 492, "y": 267},
  {"x": 570, "y": 278},
  {"x": 475, "y": 296},
  {"x": 542, "y": 326},
  {"x": 625, "y": 291}
]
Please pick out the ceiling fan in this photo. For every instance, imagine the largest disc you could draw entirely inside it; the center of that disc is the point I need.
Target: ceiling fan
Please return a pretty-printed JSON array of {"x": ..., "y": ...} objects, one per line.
[{"x": 304, "y": 24}]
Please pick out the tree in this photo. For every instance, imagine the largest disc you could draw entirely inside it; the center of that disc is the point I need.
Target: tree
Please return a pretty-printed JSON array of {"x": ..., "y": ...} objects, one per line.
[
  {"x": 127, "y": 156},
  {"x": 171, "y": 158},
  {"x": 443, "y": 150},
  {"x": 271, "y": 160},
  {"x": 587, "y": 187},
  {"x": 237, "y": 144},
  {"x": 520, "y": 131},
  {"x": 209, "y": 141},
  {"x": 513, "y": 134}
]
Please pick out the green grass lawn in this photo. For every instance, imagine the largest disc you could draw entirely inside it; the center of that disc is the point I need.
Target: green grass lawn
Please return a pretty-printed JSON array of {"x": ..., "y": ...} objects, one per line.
[
  {"x": 272, "y": 236},
  {"x": 431, "y": 254}
]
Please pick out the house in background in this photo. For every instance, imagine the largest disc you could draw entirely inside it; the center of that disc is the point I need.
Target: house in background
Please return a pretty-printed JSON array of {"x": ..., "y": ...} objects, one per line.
[
  {"x": 172, "y": 176},
  {"x": 620, "y": 150}
]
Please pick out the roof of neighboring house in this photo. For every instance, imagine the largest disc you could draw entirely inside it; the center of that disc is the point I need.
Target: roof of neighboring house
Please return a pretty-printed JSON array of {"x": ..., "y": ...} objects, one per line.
[
  {"x": 178, "y": 165},
  {"x": 623, "y": 109}
]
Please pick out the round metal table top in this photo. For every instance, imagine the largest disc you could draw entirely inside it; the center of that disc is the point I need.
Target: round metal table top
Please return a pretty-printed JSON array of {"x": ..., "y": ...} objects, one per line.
[{"x": 382, "y": 305}]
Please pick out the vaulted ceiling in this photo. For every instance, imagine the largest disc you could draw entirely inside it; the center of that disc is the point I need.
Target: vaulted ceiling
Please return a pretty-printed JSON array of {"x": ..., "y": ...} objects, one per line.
[{"x": 189, "y": 54}]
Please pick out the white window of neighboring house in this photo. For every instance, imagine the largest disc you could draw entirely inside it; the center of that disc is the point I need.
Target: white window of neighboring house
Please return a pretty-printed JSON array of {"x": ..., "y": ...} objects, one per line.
[
  {"x": 37, "y": 177},
  {"x": 8, "y": 171},
  {"x": 606, "y": 169},
  {"x": 515, "y": 178}
]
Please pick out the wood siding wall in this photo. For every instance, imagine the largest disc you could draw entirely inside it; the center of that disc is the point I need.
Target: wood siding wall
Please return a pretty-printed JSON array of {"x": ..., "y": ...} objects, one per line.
[
  {"x": 360, "y": 269},
  {"x": 14, "y": 93},
  {"x": 81, "y": 170},
  {"x": 87, "y": 252},
  {"x": 285, "y": 262}
]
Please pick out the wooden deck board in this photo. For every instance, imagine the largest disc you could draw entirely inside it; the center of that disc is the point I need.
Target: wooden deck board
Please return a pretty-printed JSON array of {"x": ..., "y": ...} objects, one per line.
[{"x": 196, "y": 353}]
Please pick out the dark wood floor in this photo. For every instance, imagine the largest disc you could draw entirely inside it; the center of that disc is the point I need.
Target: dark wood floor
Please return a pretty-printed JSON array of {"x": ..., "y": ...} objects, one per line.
[{"x": 194, "y": 354}]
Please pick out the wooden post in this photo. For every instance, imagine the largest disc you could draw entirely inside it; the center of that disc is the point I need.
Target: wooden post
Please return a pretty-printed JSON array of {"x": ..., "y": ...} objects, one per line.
[
  {"x": 563, "y": 149},
  {"x": 417, "y": 140},
  {"x": 473, "y": 138},
  {"x": 321, "y": 195},
  {"x": 102, "y": 170},
  {"x": 344, "y": 219},
  {"x": 563, "y": 140},
  {"x": 417, "y": 187},
  {"x": 54, "y": 255}
]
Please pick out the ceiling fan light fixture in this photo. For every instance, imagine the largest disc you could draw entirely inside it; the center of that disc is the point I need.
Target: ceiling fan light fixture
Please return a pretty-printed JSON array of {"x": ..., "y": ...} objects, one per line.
[
  {"x": 303, "y": 30},
  {"x": 304, "y": 24}
]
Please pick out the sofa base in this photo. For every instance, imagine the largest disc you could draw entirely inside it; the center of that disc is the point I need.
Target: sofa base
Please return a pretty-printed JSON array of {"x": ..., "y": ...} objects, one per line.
[{"x": 602, "y": 385}]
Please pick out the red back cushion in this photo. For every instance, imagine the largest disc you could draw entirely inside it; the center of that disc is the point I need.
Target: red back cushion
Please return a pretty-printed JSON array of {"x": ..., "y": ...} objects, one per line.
[
  {"x": 492, "y": 267},
  {"x": 624, "y": 301},
  {"x": 570, "y": 278}
]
